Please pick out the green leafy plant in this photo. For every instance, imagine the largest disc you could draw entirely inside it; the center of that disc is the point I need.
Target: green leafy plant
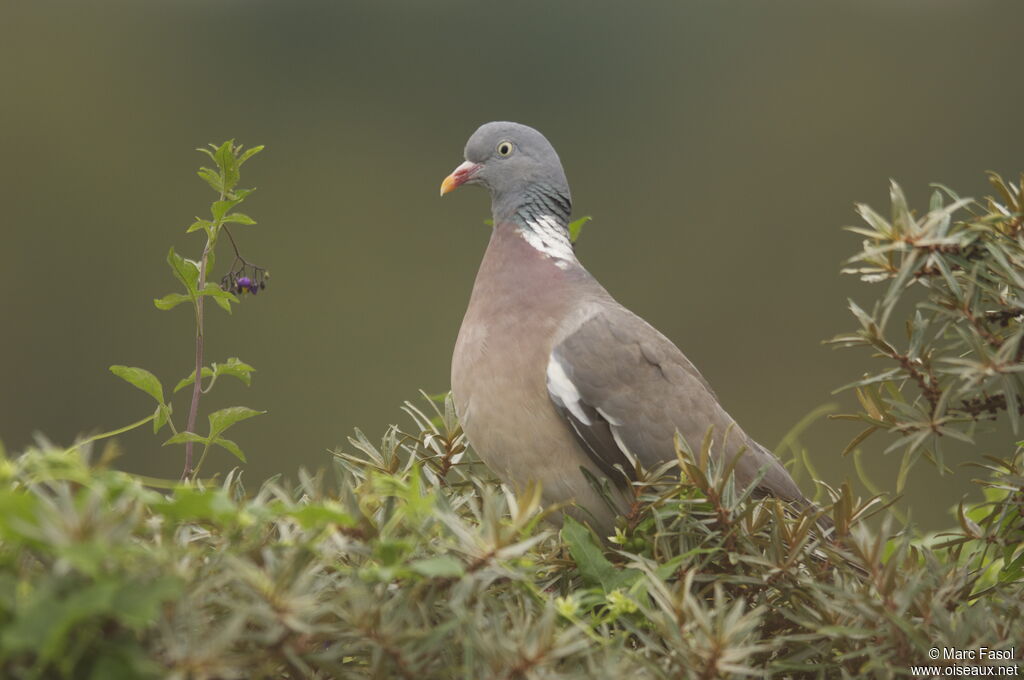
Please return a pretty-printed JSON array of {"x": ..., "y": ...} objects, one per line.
[
  {"x": 956, "y": 362},
  {"x": 243, "y": 278},
  {"x": 415, "y": 563}
]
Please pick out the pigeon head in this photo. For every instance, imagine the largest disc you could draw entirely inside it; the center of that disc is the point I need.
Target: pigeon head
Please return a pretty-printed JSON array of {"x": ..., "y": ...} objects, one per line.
[{"x": 518, "y": 166}]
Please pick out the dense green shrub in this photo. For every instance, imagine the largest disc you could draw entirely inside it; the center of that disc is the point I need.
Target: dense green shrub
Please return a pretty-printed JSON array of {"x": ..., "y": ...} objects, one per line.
[
  {"x": 418, "y": 566},
  {"x": 955, "y": 362},
  {"x": 411, "y": 562}
]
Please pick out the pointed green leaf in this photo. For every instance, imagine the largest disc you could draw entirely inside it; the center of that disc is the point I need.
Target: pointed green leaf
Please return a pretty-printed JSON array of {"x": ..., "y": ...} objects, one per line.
[
  {"x": 593, "y": 565},
  {"x": 237, "y": 368},
  {"x": 170, "y": 301},
  {"x": 141, "y": 378},
  {"x": 184, "y": 270},
  {"x": 224, "y": 154},
  {"x": 212, "y": 177},
  {"x": 216, "y": 291},
  {"x": 160, "y": 418},
  {"x": 223, "y": 303},
  {"x": 199, "y": 224},
  {"x": 220, "y": 208},
  {"x": 234, "y": 367},
  {"x": 185, "y": 382},
  {"x": 249, "y": 153},
  {"x": 230, "y": 446},
  {"x": 226, "y": 417},
  {"x": 183, "y": 437},
  {"x": 239, "y": 218},
  {"x": 576, "y": 226},
  {"x": 227, "y": 163}
]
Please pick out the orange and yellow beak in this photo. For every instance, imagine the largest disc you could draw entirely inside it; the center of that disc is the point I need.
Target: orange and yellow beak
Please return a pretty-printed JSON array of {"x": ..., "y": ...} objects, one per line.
[{"x": 459, "y": 176}]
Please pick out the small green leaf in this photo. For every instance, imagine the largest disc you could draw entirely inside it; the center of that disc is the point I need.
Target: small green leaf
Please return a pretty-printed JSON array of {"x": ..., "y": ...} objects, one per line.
[
  {"x": 226, "y": 417},
  {"x": 160, "y": 418},
  {"x": 141, "y": 378},
  {"x": 212, "y": 177},
  {"x": 227, "y": 163},
  {"x": 237, "y": 368},
  {"x": 576, "y": 226},
  {"x": 184, "y": 437},
  {"x": 223, "y": 303},
  {"x": 229, "y": 445},
  {"x": 199, "y": 224},
  {"x": 185, "y": 382},
  {"x": 239, "y": 218},
  {"x": 170, "y": 301},
  {"x": 220, "y": 208},
  {"x": 224, "y": 155},
  {"x": 233, "y": 367},
  {"x": 219, "y": 295},
  {"x": 184, "y": 270},
  {"x": 668, "y": 569},
  {"x": 594, "y": 566},
  {"x": 216, "y": 291},
  {"x": 249, "y": 153},
  {"x": 222, "y": 297}
]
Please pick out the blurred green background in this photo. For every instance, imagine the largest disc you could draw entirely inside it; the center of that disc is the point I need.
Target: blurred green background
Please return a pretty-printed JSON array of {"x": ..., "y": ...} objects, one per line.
[{"x": 719, "y": 146}]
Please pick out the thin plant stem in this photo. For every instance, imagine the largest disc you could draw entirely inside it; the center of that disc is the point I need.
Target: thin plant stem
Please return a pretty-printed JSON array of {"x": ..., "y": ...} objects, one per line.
[
  {"x": 193, "y": 410},
  {"x": 202, "y": 457},
  {"x": 238, "y": 255},
  {"x": 112, "y": 433}
]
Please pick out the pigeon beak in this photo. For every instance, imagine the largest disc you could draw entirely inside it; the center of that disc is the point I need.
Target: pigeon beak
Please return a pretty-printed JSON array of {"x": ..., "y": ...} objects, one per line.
[{"x": 459, "y": 176}]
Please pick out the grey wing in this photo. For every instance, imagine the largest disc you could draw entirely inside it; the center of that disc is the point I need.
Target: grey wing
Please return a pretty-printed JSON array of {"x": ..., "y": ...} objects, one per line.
[{"x": 624, "y": 389}]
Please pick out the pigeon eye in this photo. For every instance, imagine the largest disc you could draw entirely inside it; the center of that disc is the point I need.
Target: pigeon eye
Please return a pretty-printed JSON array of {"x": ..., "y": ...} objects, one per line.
[{"x": 504, "y": 148}]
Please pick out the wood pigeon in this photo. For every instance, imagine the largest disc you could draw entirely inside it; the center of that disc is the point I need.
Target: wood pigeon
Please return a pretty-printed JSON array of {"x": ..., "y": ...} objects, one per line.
[{"x": 550, "y": 374}]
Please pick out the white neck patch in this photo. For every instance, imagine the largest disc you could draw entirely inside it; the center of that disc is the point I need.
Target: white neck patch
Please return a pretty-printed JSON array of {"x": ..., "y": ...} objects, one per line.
[{"x": 546, "y": 235}]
